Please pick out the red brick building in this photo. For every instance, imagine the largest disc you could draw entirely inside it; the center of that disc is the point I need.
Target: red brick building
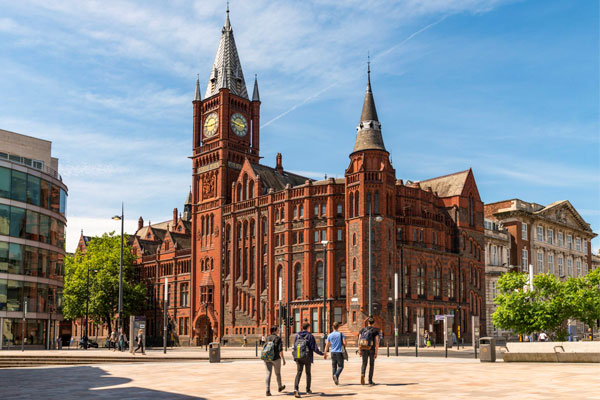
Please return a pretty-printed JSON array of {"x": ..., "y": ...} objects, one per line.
[{"x": 254, "y": 226}]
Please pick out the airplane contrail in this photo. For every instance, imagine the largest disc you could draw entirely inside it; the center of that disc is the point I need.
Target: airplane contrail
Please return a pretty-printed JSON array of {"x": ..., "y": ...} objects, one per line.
[{"x": 384, "y": 53}]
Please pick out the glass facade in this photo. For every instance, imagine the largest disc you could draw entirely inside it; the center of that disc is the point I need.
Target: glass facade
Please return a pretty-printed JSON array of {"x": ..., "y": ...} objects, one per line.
[{"x": 30, "y": 273}]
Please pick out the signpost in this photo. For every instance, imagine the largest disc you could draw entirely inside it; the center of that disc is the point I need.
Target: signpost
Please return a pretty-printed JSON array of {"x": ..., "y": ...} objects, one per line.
[
  {"x": 420, "y": 330},
  {"x": 135, "y": 324},
  {"x": 475, "y": 329}
]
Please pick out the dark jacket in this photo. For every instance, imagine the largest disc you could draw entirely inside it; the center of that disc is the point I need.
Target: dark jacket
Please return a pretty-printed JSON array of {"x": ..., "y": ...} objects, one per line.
[{"x": 312, "y": 343}]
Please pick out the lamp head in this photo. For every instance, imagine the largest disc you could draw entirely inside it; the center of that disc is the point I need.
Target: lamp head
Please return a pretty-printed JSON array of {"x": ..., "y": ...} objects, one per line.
[
  {"x": 116, "y": 218},
  {"x": 324, "y": 242},
  {"x": 378, "y": 218}
]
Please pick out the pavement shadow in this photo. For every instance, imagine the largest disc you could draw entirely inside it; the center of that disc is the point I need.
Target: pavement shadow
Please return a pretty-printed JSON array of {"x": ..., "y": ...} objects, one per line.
[
  {"x": 81, "y": 382},
  {"x": 380, "y": 384}
]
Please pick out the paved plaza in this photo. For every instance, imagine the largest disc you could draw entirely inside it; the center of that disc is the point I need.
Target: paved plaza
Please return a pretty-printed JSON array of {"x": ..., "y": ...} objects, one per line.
[{"x": 402, "y": 377}]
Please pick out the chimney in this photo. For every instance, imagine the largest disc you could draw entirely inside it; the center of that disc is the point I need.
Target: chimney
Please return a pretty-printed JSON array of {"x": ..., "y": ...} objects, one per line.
[
  {"x": 174, "y": 218},
  {"x": 279, "y": 165},
  {"x": 140, "y": 223}
]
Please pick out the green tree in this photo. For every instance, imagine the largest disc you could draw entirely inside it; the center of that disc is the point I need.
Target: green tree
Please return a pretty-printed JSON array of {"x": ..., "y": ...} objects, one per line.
[
  {"x": 102, "y": 259},
  {"x": 583, "y": 297},
  {"x": 525, "y": 310}
]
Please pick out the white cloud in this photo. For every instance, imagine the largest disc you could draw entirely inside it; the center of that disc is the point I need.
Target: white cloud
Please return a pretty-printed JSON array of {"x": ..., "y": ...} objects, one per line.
[{"x": 94, "y": 227}]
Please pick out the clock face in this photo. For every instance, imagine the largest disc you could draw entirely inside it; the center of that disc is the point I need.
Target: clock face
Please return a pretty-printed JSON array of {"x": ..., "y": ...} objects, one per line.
[
  {"x": 211, "y": 123},
  {"x": 239, "y": 124}
]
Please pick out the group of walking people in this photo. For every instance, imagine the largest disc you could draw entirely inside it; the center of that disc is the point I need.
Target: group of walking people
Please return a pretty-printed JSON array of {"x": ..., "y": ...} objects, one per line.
[
  {"x": 304, "y": 348},
  {"x": 119, "y": 341}
]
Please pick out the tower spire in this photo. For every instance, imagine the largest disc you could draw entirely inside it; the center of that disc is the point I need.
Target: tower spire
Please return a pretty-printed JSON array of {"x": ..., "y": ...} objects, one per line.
[
  {"x": 369, "y": 135},
  {"x": 255, "y": 95},
  {"x": 226, "y": 72},
  {"x": 197, "y": 95}
]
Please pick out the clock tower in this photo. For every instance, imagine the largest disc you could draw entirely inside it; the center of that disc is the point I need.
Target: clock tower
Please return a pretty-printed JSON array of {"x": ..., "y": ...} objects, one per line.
[{"x": 225, "y": 133}]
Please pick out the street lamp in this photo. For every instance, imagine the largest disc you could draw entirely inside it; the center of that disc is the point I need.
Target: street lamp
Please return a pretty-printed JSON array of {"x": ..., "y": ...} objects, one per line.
[
  {"x": 122, "y": 219},
  {"x": 324, "y": 243},
  {"x": 288, "y": 311},
  {"x": 87, "y": 307},
  {"x": 378, "y": 218}
]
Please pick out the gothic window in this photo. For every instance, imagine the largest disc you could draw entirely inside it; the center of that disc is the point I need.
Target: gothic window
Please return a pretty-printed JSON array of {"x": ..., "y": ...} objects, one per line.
[
  {"x": 342, "y": 275},
  {"x": 252, "y": 229},
  {"x": 351, "y": 205},
  {"x": 212, "y": 224},
  {"x": 421, "y": 281},
  {"x": 276, "y": 240},
  {"x": 354, "y": 264},
  {"x": 301, "y": 211},
  {"x": 295, "y": 213},
  {"x": 245, "y": 187},
  {"x": 437, "y": 282},
  {"x": 340, "y": 209},
  {"x": 251, "y": 189},
  {"x": 354, "y": 239},
  {"x": 354, "y": 289},
  {"x": 319, "y": 270},
  {"x": 323, "y": 209},
  {"x": 356, "y": 204},
  {"x": 240, "y": 190},
  {"x": 316, "y": 210},
  {"x": 202, "y": 226},
  {"x": 451, "y": 284},
  {"x": 264, "y": 227},
  {"x": 228, "y": 233},
  {"x": 298, "y": 281}
]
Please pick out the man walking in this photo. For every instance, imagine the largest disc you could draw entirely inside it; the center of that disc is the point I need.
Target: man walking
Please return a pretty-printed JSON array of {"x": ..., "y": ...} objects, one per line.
[
  {"x": 336, "y": 341},
  {"x": 368, "y": 346},
  {"x": 304, "y": 347},
  {"x": 122, "y": 340},
  {"x": 140, "y": 342},
  {"x": 272, "y": 355}
]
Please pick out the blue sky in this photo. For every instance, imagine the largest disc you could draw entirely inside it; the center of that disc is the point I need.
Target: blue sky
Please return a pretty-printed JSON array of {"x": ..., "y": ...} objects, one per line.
[{"x": 509, "y": 88}]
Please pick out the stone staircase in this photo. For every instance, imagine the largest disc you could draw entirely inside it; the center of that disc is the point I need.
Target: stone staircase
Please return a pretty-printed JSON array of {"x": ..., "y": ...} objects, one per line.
[
  {"x": 15, "y": 361},
  {"x": 351, "y": 337}
]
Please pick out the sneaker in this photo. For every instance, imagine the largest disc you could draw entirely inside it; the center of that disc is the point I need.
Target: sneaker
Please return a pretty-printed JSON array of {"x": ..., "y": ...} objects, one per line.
[
  {"x": 362, "y": 379},
  {"x": 296, "y": 394},
  {"x": 308, "y": 391},
  {"x": 268, "y": 393},
  {"x": 372, "y": 383},
  {"x": 335, "y": 380},
  {"x": 281, "y": 389}
]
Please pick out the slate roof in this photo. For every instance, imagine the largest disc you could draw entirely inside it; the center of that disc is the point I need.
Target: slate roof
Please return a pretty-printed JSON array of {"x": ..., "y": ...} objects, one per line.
[
  {"x": 447, "y": 185},
  {"x": 369, "y": 135},
  {"x": 273, "y": 179},
  {"x": 182, "y": 240}
]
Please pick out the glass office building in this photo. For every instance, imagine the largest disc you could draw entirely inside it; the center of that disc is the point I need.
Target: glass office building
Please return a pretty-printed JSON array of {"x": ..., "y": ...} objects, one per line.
[{"x": 32, "y": 242}]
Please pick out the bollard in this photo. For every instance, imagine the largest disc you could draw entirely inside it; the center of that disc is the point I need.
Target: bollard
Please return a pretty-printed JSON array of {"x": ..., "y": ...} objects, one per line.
[
  {"x": 407, "y": 342},
  {"x": 446, "y": 346},
  {"x": 388, "y": 347},
  {"x": 256, "y": 348},
  {"x": 463, "y": 342},
  {"x": 475, "y": 348},
  {"x": 416, "y": 349}
]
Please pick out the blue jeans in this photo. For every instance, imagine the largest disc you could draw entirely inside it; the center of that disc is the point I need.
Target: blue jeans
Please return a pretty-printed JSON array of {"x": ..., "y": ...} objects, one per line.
[{"x": 337, "y": 363}]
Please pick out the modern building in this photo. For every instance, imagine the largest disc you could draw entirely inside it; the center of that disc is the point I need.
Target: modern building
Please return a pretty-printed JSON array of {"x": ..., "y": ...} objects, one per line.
[
  {"x": 550, "y": 239},
  {"x": 497, "y": 262},
  {"x": 32, "y": 241},
  {"x": 268, "y": 243}
]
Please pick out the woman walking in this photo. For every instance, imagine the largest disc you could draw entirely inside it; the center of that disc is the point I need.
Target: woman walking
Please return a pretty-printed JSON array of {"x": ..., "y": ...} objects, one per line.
[
  {"x": 272, "y": 355},
  {"x": 140, "y": 342}
]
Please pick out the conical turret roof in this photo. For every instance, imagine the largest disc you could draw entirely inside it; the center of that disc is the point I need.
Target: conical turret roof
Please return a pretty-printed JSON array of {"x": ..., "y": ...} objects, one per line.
[{"x": 368, "y": 136}]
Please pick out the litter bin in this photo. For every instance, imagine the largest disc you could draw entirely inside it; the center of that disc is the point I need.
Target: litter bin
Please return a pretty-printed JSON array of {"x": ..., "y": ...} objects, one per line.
[
  {"x": 487, "y": 349},
  {"x": 214, "y": 352}
]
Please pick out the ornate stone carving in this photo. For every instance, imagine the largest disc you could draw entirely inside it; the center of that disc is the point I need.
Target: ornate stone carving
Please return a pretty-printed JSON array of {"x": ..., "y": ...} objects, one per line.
[{"x": 209, "y": 186}]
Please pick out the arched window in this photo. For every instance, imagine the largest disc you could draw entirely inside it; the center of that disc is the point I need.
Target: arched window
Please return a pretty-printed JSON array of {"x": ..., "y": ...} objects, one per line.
[
  {"x": 246, "y": 187},
  {"x": 245, "y": 229},
  {"x": 301, "y": 211},
  {"x": 376, "y": 203},
  {"x": 228, "y": 233},
  {"x": 354, "y": 289},
  {"x": 212, "y": 224},
  {"x": 356, "y": 204},
  {"x": 342, "y": 275},
  {"x": 240, "y": 190},
  {"x": 252, "y": 229},
  {"x": 437, "y": 282},
  {"x": 354, "y": 264},
  {"x": 319, "y": 270},
  {"x": 351, "y": 205},
  {"x": 298, "y": 281},
  {"x": 251, "y": 189},
  {"x": 354, "y": 239}
]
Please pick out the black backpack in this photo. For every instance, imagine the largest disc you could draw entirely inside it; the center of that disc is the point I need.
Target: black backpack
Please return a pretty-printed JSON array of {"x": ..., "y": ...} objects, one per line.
[
  {"x": 301, "y": 350},
  {"x": 366, "y": 340}
]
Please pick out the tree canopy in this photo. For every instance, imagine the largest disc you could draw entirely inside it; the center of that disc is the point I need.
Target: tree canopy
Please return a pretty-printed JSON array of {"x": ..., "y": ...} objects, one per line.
[
  {"x": 548, "y": 304},
  {"x": 102, "y": 260}
]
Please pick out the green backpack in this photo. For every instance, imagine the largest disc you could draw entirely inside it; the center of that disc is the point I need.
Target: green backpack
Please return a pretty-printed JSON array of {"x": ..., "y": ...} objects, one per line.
[{"x": 268, "y": 351}]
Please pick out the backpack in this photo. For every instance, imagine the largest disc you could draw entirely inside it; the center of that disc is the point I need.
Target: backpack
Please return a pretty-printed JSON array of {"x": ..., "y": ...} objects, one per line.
[
  {"x": 268, "y": 351},
  {"x": 300, "y": 351},
  {"x": 365, "y": 341}
]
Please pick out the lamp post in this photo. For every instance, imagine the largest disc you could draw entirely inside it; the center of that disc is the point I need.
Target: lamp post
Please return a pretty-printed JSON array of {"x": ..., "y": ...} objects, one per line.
[
  {"x": 324, "y": 243},
  {"x": 122, "y": 219},
  {"x": 165, "y": 305},
  {"x": 24, "y": 322},
  {"x": 377, "y": 219},
  {"x": 401, "y": 293}
]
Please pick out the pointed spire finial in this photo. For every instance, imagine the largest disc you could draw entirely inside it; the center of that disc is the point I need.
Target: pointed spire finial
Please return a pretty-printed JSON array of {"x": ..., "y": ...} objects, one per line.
[
  {"x": 198, "y": 95},
  {"x": 227, "y": 25},
  {"x": 255, "y": 95},
  {"x": 368, "y": 71}
]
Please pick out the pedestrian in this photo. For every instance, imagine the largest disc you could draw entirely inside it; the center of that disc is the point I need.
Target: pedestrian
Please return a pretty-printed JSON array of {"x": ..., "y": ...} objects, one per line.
[
  {"x": 304, "y": 347},
  {"x": 122, "y": 340},
  {"x": 245, "y": 341},
  {"x": 112, "y": 341},
  {"x": 262, "y": 340},
  {"x": 368, "y": 346},
  {"x": 140, "y": 342},
  {"x": 543, "y": 337},
  {"x": 58, "y": 343},
  {"x": 426, "y": 337},
  {"x": 336, "y": 341},
  {"x": 272, "y": 355}
]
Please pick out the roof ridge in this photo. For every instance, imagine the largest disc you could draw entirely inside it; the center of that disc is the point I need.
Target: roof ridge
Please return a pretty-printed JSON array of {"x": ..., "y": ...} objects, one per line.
[{"x": 444, "y": 176}]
